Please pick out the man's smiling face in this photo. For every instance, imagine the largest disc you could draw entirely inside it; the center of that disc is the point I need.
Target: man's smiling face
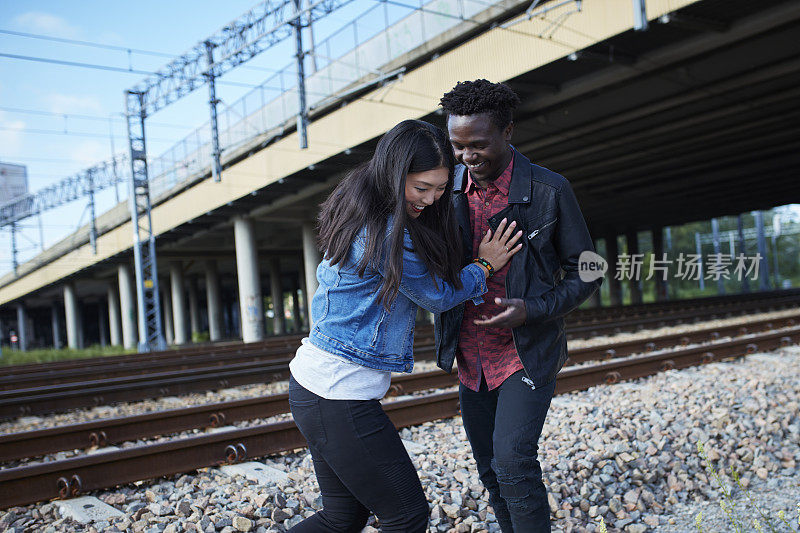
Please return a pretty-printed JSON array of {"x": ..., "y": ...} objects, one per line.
[{"x": 480, "y": 145}]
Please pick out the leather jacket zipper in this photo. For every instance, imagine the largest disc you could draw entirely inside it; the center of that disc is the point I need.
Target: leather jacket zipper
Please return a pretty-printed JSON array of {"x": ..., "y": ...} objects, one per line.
[
  {"x": 527, "y": 378},
  {"x": 536, "y": 232}
]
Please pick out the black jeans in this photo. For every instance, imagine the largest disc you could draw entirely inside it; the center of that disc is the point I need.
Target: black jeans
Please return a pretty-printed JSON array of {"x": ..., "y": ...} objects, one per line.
[
  {"x": 361, "y": 466},
  {"x": 503, "y": 426}
]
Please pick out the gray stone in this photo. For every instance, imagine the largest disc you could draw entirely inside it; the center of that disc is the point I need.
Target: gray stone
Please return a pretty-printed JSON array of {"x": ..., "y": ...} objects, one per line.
[
  {"x": 552, "y": 501},
  {"x": 279, "y": 515},
  {"x": 240, "y": 523},
  {"x": 86, "y": 509},
  {"x": 184, "y": 508}
]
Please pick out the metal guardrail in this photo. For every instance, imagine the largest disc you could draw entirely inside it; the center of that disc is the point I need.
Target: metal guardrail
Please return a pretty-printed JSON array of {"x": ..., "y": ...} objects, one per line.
[{"x": 357, "y": 51}]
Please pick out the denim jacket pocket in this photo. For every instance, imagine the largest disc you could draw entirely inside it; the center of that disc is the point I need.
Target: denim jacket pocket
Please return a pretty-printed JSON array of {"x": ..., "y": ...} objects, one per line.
[{"x": 328, "y": 277}]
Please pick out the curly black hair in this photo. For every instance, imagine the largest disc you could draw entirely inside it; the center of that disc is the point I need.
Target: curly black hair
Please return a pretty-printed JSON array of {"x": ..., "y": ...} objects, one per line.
[{"x": 482, "y": 96}]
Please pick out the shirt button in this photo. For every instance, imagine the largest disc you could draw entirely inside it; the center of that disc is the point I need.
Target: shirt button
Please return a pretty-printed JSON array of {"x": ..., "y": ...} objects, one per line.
[
  {"x": 486, "y": 204},
  {"x": 524, "y": 198}
]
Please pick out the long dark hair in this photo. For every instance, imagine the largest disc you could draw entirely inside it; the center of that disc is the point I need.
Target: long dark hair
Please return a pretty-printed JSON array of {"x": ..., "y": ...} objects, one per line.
[{"x": 375, "y": 190}]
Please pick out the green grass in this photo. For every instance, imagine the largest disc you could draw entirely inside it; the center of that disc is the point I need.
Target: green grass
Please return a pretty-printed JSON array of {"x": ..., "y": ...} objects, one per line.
[{"x": 16, "y": 357}]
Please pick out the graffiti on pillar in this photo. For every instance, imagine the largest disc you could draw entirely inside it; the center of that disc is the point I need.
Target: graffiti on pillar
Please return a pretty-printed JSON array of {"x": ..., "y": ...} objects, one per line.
[{"x": 251, "y": 309}]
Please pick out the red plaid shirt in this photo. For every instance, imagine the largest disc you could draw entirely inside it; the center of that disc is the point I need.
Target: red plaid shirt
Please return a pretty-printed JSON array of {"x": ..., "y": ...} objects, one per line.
[{"x": 485, "y": 350}]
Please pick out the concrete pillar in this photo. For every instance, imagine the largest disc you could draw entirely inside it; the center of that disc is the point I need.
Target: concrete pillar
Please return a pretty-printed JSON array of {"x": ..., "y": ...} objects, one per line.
[
  {"x": 55, "y": 325},
  {"x": 251, "y": 304},
  {"x": 213, "y": 301},
  {"x": 194, "y": 308},
  {"x": 127, "y": 305},
  {"x": 594, "y": 299},
  {"x": 742, "y": 249},
  {"x": 113, "y": 316},
  {"x": 301, "y": 280},
  {"x": 178, "y": 302},
  {"x": 102, "y": 321},
  {"x": 166, "y": 307},
  {"x": 296, "y": 317},
  {"x": 311, "y": 260},
  {"x": 763, "y": 265},
  {"x": 276, "y": 292},
  {"x": 614, "y": 285},
  {"x": 22, "y": 327},
  {"x": 658, "y": 253},
  {"x": 717, "y": 250},
  {"x": 635, "y": 284},
  {"x": 72, "y": 314}
]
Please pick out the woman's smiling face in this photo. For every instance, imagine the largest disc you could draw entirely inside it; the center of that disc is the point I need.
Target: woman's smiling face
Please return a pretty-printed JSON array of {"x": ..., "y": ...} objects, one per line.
[{"x": 424, "y": 188}]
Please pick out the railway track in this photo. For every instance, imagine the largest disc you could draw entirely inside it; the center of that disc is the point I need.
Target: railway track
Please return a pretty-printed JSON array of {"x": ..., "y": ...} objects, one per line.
[
  {"x": 44, "y": 397},
  {"x": 580, "y": 324},
  {"x": 667, "y": 307},
  {"x": 70, "y": 477},
  {"x": 116, "y": 430},
  {"x": 614, "y": 326}
]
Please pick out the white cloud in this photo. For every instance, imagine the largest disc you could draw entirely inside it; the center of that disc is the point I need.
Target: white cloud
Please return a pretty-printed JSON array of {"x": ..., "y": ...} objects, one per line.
[
  {"x": 67, "y": 103},
  {"x": 39, "y": 22}
]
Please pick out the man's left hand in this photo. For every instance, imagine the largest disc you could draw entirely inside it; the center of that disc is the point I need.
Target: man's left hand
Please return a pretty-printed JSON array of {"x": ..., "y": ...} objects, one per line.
[{"x": 513, "y": 316}]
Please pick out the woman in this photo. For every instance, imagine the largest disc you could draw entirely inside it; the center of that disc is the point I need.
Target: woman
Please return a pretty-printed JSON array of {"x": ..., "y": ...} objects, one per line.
[{"x": 391, "y": 245}]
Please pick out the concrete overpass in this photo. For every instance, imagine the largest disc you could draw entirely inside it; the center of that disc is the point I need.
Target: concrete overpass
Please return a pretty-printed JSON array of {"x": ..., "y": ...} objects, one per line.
[{"x": 691, "y": 119}]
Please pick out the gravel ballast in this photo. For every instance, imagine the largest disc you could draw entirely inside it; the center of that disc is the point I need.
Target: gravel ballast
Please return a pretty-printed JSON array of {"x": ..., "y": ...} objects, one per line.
[{"x": 626, "y": 452}]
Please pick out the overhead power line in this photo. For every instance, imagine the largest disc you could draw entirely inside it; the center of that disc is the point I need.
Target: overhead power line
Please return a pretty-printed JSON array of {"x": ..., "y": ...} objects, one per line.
[
  {"x": 109, "y": 47},
  {"x": 55, "y": 114},
  {"x": 77, "y": 64},
  {"x": 84, "y": 117},
  {"x": 86, "y": 43},
  {"x": 108, "y": 67},
  {"x": 73, "y": 133}
]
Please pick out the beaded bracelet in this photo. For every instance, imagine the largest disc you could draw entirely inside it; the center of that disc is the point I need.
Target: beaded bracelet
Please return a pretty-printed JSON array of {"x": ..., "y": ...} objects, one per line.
[{"x": 485, "y": 263}]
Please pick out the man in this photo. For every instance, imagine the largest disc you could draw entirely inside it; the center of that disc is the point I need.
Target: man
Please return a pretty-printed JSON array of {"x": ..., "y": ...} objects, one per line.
[{"x": 511, "y": 347}]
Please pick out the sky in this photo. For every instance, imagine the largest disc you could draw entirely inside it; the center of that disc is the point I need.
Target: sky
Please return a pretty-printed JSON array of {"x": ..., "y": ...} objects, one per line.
[{"x": 59, "y": 120}]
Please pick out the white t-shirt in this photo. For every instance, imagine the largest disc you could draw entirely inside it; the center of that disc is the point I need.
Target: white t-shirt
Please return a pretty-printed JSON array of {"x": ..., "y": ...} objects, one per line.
[{"x": 335, "y": 378}]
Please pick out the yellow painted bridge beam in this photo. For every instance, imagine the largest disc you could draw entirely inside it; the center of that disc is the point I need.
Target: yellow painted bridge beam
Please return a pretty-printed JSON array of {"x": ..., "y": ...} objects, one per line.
[{"x": 498, "y": 54}]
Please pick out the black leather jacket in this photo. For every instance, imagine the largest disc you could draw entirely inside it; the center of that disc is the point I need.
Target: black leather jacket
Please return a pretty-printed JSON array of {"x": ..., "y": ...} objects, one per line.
[{"x": 544, "y": 273}]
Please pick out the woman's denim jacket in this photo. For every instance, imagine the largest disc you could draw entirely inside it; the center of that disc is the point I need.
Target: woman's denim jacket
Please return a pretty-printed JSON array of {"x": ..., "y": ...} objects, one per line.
[{"x": 348, "y": 320}]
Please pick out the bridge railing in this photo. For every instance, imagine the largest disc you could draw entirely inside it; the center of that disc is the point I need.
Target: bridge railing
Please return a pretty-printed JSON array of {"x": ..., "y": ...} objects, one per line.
[{"x": 358, "y": 51}]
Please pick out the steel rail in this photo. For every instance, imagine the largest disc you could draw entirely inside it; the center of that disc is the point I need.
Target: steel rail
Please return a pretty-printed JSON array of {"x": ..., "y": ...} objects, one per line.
[
  {"x": 51, "y": 373},
  {"x": 127, "y": 428},
  {"x": 186, "y": 353},
  {"x": 580, "y": 378},
  {"x": 138, "y": 368},
  {"x": 577, "y": 319},
  {"x": 121, "y": 429},
  {"x": 638, "y": 324},
  {"x": 41, "y": 400},
  {"x": 71, "y": 477},
  {"x": 30, "y": 375},
  {"x": 654, "y": 308},
  {"x": 661, "y": 342}
]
